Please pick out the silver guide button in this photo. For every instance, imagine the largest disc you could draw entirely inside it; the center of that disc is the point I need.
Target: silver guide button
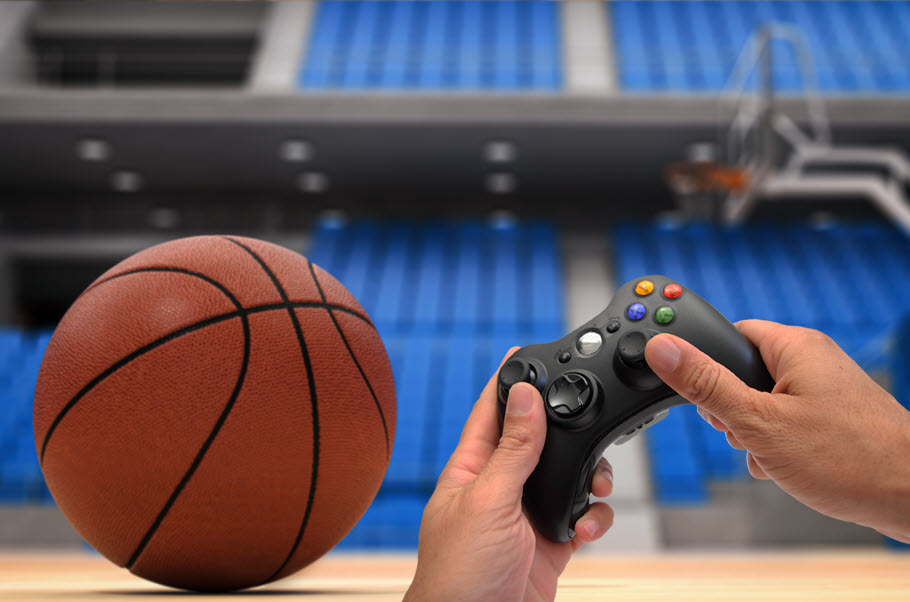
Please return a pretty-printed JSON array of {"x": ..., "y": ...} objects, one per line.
[{"x": 589, "y": 343}]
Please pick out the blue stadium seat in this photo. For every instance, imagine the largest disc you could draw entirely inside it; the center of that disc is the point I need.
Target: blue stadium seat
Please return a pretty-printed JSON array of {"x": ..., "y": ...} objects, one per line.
[
  {"x": 391, "y": 522},
  {"x": 449, "y": 301},
  {"x": 826, "y": 278},
  {"x": 691, "y": 46},
  {"x": 445, "y": 45},
  {"x": 677, "y": 466},
  {"x": 20, "y": 474}
]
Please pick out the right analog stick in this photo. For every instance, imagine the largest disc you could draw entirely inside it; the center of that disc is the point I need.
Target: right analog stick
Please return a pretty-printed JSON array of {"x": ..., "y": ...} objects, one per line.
[
  {"x": 630, "y": 363},
  {"x": 631, "y": 349}
]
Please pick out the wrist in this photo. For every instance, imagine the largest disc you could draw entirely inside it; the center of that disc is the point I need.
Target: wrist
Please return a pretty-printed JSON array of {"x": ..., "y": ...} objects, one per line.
[
  {"x": 425, "y": 587},
  {"x": 418, "y": 590},
  {"x": 895, "y": 484}
]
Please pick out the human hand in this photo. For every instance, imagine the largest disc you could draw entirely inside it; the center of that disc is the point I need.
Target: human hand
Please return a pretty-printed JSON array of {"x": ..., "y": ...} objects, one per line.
[
  {"x": 827, "y": 434},
  {"x": 475, "y": 541}
]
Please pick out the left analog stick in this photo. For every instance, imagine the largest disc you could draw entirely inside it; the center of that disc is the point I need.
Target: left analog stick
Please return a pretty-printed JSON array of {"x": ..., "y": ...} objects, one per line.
[{"x": 513, "y": 372}]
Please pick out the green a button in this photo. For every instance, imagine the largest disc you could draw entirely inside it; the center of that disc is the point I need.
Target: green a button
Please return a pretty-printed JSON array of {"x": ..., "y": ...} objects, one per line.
[{"x": 664, "y": 315}]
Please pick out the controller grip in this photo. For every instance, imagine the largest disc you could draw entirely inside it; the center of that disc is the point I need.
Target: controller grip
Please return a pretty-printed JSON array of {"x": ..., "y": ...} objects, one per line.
[
  {"x": 555, "y": 497},
  {"x": 755, "y": 374}
]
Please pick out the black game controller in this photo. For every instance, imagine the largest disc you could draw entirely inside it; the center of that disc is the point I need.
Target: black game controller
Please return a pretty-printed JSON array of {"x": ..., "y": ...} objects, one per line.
[{"x": 597, "y": 388}]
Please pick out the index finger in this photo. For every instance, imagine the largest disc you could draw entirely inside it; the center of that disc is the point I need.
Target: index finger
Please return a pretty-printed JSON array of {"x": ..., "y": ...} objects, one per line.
[{"x": 773, "y": 341}]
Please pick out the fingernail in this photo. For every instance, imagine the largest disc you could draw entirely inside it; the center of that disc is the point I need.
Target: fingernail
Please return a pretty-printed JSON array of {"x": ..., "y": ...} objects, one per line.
[
  {"x": 603, "y": 467},
  {"x": 520, "y": 401},
  {"x": 590, "y": 528},
  {"x": 664, "y": 354}
]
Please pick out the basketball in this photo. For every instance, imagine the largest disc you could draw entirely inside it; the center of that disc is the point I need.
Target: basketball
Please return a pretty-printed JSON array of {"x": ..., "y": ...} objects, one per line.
[{"x": 214, "y": 413}]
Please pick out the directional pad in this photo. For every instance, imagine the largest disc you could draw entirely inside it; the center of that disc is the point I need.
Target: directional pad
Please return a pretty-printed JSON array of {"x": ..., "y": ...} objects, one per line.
[{"x": 569, "y": 394}]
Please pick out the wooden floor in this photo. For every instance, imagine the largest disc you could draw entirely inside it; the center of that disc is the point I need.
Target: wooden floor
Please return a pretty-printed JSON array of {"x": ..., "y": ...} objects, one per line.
[{"x": 828, "y": 576}]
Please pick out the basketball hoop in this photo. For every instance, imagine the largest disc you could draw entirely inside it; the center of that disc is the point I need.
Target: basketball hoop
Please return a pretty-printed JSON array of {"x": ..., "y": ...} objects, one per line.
[{"x": 686, "y": 177}]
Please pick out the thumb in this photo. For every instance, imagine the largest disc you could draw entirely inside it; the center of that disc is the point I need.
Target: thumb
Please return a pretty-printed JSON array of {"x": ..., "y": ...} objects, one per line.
[
  {"x": 700, "y": 379},
  {"x": 524, "y": 430}
]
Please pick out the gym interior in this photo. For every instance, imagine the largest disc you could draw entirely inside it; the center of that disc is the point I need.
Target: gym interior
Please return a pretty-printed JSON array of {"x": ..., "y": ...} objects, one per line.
[{"x": 479, "y": 175}]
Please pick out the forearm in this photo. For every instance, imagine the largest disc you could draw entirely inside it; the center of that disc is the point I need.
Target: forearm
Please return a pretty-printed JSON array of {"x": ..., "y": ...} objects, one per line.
[{"x": 893, "y": 489}]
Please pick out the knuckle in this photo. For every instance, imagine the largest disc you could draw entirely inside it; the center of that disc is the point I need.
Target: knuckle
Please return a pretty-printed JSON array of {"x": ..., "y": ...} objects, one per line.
[
  {"x": 816, "y": 337},
  {"x": 702, "y": 382},
  {"x": 515, "y": 438},
  {"x": 763, "y": 410},
  {"x": 757, "y": 421},
  {"x": 443, "y": 479}
]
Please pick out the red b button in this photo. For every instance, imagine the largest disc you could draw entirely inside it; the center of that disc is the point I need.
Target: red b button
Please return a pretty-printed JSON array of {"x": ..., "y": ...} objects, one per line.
[{"x": 672, "y": 291}]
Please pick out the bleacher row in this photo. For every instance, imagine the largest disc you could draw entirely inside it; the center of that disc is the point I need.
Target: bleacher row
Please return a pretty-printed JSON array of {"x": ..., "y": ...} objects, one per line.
[
  {"x": 442, "y": 45},
  {"x": 659, "y": 46},
  {"x": 20, "y": 475},
  {"x": 449, "y": 299},
  {"x": 852, "y": 282},
  {"x": 691, "y": 46}
]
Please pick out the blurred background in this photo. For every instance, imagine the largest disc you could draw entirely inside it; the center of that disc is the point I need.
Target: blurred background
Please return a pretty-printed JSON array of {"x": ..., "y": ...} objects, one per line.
[{"x": 480, "y": 175}]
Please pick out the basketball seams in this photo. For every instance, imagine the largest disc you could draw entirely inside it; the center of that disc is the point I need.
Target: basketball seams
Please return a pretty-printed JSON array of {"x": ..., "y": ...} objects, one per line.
[
  {"x": 222, "y": 418},
  {"x": 314, "y": 402},
  {"x": 241, "y": 311},
  {"x": 347, "y": 346},
  {"x": 190, "y": 328},
  {"x": 333, "y": 306},
  {"x": 208, "y": 279},
  {"x": 123, "y": 362}
]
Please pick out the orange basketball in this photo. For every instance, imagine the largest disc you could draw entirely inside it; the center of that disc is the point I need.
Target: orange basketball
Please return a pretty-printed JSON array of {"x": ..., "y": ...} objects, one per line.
[{"x": 214, "y": 413}]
